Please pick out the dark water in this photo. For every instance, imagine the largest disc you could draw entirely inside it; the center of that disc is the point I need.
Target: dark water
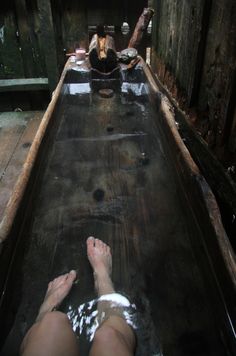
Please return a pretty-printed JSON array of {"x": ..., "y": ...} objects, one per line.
[{"x": 106, "y": 175}]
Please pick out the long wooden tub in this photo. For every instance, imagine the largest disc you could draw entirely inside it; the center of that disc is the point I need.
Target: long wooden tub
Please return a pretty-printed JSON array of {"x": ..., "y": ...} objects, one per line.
[{"x": 117, "y": 168}]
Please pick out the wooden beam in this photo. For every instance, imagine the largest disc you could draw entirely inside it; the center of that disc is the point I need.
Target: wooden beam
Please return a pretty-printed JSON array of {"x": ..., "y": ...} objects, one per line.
[
  {"x": 47, "y": 39},
  {"x": 141, "y": 27},
  {"x": 23, "y": 84}
]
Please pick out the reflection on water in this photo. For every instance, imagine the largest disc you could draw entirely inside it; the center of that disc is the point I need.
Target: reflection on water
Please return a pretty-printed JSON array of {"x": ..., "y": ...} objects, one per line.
[
  {"x": 137, "y": 89},
  {"x": 90, "y": 315},
  {"x": 82, "y": 88}
]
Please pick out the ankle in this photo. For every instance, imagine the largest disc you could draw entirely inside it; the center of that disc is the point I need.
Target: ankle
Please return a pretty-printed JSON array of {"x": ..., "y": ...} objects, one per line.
[{"x": 101, "y": 273}]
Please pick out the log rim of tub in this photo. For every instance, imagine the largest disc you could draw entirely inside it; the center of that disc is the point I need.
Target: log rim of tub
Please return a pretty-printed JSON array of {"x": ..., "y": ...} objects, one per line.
[{"x": 21, "y": 183}]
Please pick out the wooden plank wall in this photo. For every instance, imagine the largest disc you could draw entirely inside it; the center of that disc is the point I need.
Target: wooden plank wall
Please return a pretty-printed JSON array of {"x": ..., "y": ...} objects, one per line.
[
  {"x": 21, "y": 54},
  {"x": 193, "y": 53},
  {"x": 36, "y": 34},
  {"x": 23, "y": 40}
]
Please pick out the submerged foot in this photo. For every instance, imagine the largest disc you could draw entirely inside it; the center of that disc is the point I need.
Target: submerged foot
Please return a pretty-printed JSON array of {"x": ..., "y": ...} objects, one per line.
[
  {"x": 57, "y": 290},
  {"x": 99, "y": 255}
]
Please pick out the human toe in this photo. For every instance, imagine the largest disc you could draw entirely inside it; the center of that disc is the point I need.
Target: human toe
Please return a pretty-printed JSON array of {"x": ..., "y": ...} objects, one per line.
[
  {"x": 71, "y": 275},
  {"x": 100, "y": 244},
  {"x": 90, "y": 241}
]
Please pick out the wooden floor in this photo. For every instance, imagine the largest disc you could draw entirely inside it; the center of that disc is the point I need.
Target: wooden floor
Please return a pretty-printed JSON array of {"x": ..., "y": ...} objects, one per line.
[{"x": 17, "y": 131}]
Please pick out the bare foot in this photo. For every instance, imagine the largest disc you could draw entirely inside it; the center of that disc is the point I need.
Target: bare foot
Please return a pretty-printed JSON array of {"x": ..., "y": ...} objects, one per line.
[
  {"x": 56, "y": 292},
  {"x": 99, "y": 255}
]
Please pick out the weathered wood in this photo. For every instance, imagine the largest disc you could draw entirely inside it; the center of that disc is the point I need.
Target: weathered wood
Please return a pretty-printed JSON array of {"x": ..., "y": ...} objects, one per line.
[
  {"x": 25, "y": 39},
  {"x": 9, "y": 138},
  {"x": 217, "y": 85},
  {"x": 128, "y": 201},
  {"x": 194, "y": 55},
  {"x": 141, "y": 27},
  {"x": 220, "y": 182},
  {"x": 23, "y": 84},
  {"x": 27, "y": 20},
  {"x": 211, "y": 243},
  {"x": 47, "y": 39},
  {"x": 71, "y": 24},
  {"x": 180, "y": 31},
  {"x": 10, "y": 55},
  {"x": 18, "y": 131},
  {"x": 35, "y": 34},
  {"x": 20, "y": 186},
  {"x": 58, "y": 14}
]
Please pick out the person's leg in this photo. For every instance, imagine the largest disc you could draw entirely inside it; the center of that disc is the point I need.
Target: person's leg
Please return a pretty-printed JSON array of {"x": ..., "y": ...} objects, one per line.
[
  {"x": 52, "y": 333},
  {"x": 114, "y": 336}
]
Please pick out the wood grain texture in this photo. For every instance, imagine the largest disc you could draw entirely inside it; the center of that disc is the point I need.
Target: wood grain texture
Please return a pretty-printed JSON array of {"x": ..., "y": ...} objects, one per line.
[
  {"x": 17, "y": 133},
  {"x": 47, "y": 42}
]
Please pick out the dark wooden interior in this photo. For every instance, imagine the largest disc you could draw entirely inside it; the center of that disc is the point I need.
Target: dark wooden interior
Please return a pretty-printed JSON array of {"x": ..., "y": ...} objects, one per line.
[{"x": 150, "y": 169}]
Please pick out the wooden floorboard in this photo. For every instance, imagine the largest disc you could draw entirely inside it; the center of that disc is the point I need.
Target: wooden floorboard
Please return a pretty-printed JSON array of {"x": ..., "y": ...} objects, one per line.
[{"x": 17, "y": 131}]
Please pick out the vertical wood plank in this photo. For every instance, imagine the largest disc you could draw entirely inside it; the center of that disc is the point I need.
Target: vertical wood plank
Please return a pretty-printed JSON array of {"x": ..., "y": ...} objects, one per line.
[
  {"x": 74, "y": 24},
  {"x": 57, "y": 9},
  {"x": 180, "y": 33},
  {"x": 11, "y": 65},
  {"x": 47, "y": 39},
  {"x": 28, "y": 25},
  {"x": 25, "y": 40},
  {"x": 35, "y": 23}
]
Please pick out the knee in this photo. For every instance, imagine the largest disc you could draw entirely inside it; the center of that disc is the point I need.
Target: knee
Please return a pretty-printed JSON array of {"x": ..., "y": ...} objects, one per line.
[
  {"x": 51, "y": 322},
  {"x": 105, "y": 334},
  {"x": 54, "y": 319}
]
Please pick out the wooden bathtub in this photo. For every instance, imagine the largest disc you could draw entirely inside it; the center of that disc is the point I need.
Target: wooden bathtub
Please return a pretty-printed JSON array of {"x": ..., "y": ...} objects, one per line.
[{"x": 118, "y": 168}]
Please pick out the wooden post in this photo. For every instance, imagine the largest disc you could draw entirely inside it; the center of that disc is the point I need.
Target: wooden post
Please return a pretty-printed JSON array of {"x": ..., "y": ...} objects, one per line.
[
  {"x": 47, "y": 39},
  {"x": 140, "y": 27}
]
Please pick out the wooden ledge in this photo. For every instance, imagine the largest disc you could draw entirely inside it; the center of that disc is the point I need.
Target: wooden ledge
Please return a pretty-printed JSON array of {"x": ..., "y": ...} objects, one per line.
[{"x": 23, "y": 84}]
